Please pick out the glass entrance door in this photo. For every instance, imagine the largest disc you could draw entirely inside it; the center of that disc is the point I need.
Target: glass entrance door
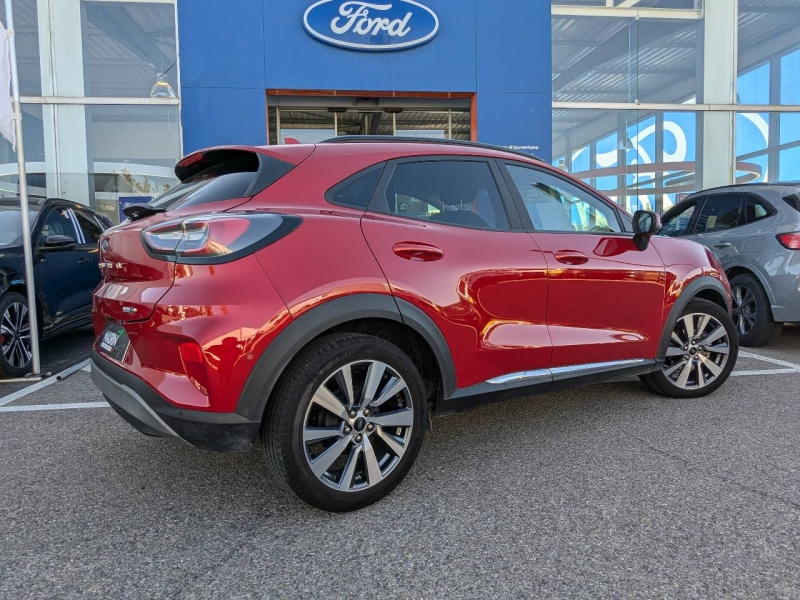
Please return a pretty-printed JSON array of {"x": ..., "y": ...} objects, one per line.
[{"x": 307, "y": 120}]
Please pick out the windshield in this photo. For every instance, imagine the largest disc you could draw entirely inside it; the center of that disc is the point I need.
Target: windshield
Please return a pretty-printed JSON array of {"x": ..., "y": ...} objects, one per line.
[{"x": 11, "y": 225}]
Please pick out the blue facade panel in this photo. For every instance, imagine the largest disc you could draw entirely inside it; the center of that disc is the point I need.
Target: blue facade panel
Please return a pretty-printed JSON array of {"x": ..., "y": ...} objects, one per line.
[{"x": 231, "y": 52}]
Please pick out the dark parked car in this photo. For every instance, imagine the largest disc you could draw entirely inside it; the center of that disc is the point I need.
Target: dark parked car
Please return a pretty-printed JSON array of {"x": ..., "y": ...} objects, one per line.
[
  {"x": 64, "y": 237},
  {"x": 754, "y": 229},
  {"x": 332, "y": 297}
]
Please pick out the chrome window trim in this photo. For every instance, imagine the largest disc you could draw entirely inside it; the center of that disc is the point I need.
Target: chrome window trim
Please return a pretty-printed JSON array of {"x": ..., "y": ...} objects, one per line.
[{"x": 78, "y": 231}]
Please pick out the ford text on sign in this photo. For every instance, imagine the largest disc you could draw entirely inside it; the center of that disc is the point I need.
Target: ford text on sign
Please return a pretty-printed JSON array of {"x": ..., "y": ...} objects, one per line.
[{"x": 364, "y": 25}]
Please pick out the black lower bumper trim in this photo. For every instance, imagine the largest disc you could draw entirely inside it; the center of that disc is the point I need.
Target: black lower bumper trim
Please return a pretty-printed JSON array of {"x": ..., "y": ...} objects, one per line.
[{"x": 141, "y": 406}]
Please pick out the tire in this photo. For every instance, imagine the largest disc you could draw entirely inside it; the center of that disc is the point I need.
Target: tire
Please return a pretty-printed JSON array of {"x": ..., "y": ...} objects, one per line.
[
  {"x": 709, "y": 364},
  {"x": 752, "y": 313},
  {"x": 309, "y": 395},
  {"x": 15, "y": 336}
]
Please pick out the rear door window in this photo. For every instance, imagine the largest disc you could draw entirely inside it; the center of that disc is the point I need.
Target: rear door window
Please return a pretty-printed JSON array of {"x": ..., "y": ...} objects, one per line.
[
  {"x": 89, "y": 226},
  {"x": 720, "y": 213},
  {"x": 452, "y": 192}
]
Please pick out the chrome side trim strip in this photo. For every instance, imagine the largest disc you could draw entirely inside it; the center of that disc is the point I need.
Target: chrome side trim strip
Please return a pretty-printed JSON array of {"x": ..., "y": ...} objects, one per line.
[
  {"x": 566, "y": 372},
  {"x": 572, "y": 370},
  {"x": 520, "y": 376}
]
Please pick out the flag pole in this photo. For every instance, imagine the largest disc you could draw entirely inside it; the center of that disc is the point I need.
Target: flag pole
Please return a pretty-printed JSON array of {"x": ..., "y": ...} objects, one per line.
[{"x": 23, "y": 191}]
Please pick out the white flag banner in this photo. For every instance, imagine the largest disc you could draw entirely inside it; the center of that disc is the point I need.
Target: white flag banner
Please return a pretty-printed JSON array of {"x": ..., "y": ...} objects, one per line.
[{"x": 7, "y": 129}]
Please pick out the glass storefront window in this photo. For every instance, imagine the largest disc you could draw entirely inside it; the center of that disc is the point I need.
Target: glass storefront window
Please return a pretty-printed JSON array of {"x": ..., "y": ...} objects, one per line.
[
  {"x": 33, "y": 138},
  {"x": 789, "y": 151},
  {"x": 26, "y": 24},
  {"x": 609, "y": 59},
  {"x": 129, "y": 49},
  {"x": 768, "y": 55},
  {"x": 690, "y": 4},
  {"x": 132, "y": 153},
  {"x": 640, "y": 159},
  {"x": 790, "y": 78}
]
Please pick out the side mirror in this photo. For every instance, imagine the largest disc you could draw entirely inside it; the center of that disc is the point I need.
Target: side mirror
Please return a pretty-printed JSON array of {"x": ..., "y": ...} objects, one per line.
[
  {"x": 646, "y": 224},
  {"x": 59, "y": 242}
]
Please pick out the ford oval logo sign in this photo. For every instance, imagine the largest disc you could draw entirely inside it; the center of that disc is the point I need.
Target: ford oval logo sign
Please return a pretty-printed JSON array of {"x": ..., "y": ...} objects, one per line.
[{"x": 361, "y": 25}]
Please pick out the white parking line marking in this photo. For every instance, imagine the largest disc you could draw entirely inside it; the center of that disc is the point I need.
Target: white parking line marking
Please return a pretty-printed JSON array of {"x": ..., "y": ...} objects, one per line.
[
  {"x": 769, "y": 359},
  {"x": 789, "y": 369},
  {"x": 35, "y": 407},
  {"x": 28, "y": 390},
  {"x": 764, "y": 372}
]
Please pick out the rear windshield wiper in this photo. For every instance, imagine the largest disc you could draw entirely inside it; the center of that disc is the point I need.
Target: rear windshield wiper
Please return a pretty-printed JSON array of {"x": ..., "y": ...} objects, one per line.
[{"x": 140, "y": 211}]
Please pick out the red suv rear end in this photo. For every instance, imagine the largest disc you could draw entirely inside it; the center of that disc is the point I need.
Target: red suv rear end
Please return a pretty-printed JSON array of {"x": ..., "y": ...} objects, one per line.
[{"x": 332, "y": 297}]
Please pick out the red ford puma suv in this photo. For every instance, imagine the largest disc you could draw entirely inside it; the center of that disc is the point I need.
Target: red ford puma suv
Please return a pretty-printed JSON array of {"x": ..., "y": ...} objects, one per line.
[{"x": 331, "y": 297}]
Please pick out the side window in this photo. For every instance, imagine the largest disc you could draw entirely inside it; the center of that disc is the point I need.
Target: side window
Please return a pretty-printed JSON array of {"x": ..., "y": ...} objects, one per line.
[
  {"x": 356, "y": 193},
  {"x": 678, "y": 224},
  {"x": 720, "y": 213},
  {"x": 58, "y": 222},
  {"x": 755, "y": 210},
  {"x": 557, "y": 205},
  {"x": 453, "y": 192},
  {"x": 88, "y": 224}
]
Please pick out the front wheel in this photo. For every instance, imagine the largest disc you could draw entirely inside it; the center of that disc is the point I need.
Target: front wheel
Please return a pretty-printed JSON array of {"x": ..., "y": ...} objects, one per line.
[
  {"x": 701, "y": 354},
  {"x": 15, "y": 335},
  {"x": 347, "y": 422}
]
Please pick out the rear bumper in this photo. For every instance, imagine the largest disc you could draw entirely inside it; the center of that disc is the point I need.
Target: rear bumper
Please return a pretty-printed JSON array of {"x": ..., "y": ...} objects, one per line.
[
  {"x": 141, "y": 406},
  {"x": 786, "y": 314}
]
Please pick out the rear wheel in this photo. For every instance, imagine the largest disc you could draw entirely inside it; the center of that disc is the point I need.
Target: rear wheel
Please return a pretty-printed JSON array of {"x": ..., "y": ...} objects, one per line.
[
  {"x": 15, "y": 335},
  {"x": 701, "y": 354},
  {"x": 751, "y": 312},
  {"x": 347, "y": 422}
]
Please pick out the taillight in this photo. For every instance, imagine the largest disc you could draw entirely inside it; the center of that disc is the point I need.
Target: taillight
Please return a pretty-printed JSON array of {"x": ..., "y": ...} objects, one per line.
[
  {"x": 216, "y": 238},
  {"x": 789, "y": 240}
]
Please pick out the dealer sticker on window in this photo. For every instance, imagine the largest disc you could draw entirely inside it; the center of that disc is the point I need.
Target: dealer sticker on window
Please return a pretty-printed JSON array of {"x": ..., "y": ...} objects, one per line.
[{"x": 114, "y": 341}]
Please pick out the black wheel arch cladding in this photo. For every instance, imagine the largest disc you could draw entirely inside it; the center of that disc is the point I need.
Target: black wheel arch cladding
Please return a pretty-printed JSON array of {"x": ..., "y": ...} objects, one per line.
[{"x": 285, "y": 347}]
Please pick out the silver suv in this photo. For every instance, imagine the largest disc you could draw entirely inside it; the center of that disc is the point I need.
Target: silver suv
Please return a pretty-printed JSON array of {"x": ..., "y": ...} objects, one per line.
[{"x": 754, "y": 229}]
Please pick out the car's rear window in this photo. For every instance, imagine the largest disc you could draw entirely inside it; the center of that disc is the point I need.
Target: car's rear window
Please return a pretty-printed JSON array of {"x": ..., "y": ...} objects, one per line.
[
  {"x": 11, "y": 225},
  {"x": 238, "y": 176},
  {"x": 793, "y": 200}
]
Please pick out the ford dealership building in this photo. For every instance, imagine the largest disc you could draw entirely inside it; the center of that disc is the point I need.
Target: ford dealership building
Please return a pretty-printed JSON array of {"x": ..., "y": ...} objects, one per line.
[{"x": 647, "y": 100}]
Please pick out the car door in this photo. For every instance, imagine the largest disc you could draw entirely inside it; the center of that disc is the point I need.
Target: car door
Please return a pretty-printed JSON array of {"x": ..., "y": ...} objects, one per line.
[
  {"x": 57, "y": 268},
  {"x": 442, "y": 231},
  {"x": 606, "y": 297},
  {"x": 88, "y": 273},
  {"x": 717, "y": 218}
]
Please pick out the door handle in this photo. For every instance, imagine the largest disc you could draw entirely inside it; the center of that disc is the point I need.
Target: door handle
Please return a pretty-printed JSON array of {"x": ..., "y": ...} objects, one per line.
[
  {"x": 83, "y": 261},
  {"x": 723, "y": 245},
  {"x": 417, "y": 251},
  {"x": 571, "y": 257}
]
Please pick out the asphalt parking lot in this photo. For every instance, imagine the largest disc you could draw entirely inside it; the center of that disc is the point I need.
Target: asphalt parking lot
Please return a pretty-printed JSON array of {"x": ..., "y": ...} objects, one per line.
[{"x": 607, "y": 491}]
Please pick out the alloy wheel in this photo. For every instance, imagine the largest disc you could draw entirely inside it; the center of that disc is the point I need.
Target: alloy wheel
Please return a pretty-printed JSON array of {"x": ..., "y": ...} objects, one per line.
[
  {"x": 698, "y": 351},
  {"x": 15, "y": 335},
  {"x": 744, "y": 309},
  {"x": 358, "y": 425}
]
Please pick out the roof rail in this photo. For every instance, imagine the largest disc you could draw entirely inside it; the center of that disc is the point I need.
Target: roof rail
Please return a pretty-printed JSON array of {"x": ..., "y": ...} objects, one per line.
[
  {"x": 754, "y": 184},
  {"x": 344, "y": 139}
]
